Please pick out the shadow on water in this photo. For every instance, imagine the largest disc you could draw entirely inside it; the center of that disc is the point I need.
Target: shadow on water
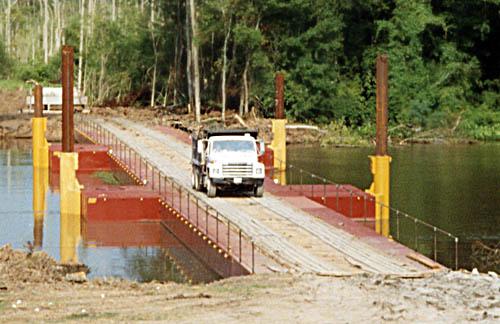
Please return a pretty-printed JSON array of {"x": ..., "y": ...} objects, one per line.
[
  {"x": 29, "y": 212},
  {"x": 454, "y": 187}
]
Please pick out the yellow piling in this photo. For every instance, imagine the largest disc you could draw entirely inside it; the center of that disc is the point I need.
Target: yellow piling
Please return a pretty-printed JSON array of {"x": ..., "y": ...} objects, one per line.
[
  {"x": 279, "y": 143},
  {"x": 380, "y": 163},
  {"x": 70, "y": 206},
  {"x": 40, "y": 185},
  {"x": 380, "y": 168},
  {"x": 40, "y": 146}
]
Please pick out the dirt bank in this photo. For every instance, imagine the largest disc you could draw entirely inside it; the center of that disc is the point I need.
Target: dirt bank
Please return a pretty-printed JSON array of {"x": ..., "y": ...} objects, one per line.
[
  {"x": 19, "y": 126},
  {"x": 33, "y": 288},
  {"x": 12, "y": 101},
  {"x": 213, "y": 119}
]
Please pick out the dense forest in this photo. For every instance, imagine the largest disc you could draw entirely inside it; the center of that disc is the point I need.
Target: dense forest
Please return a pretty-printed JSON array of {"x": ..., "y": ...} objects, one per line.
[{"x": 223, "y": 54}]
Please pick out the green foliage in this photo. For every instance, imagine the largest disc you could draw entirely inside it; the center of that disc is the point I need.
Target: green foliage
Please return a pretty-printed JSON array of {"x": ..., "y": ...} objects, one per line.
[
  {"x": 443, "y": 63},
  {"x": 12, "y": 84},
  {"x": 5, "y": 62},
  {"x": 44, "y": 73},
  {"x": 337, "y": 133}
]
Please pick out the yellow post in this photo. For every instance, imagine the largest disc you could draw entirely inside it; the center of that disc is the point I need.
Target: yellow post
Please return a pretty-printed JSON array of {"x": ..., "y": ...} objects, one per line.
[
  {"x": 380, "y": 163},
  {"x": 40, "y": 146},
  {"x": 40, "y": 184},
  {"x": 380, "y": 168},
  {"x": 70, "y": 206},
  {"x": 279, "y": 144}
]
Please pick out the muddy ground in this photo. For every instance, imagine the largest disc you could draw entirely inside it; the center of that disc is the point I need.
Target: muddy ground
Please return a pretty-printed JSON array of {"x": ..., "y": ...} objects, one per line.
[
  {"x": 34, "y": 288},
  {"x": 16, "y": 125}
]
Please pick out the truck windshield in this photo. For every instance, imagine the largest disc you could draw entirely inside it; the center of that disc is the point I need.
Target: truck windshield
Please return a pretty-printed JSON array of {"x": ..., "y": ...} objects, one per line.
[{"x": 233, "y": 146}]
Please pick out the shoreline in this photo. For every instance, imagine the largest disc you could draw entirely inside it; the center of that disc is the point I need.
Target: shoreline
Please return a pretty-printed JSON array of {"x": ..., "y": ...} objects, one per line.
[
  {"x": 32, "y": 288},
  {"x": 18, "y": 126}
]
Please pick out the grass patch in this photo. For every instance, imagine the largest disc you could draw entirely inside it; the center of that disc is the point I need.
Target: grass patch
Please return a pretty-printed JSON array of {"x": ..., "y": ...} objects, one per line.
[
  {"x": 337, "y": 133},
  {"x": 77, "y": 316},
  {"x": 87, "y": 316},
  {"x": 108, "y": 177},
  {"x": 13, "y": 85}
]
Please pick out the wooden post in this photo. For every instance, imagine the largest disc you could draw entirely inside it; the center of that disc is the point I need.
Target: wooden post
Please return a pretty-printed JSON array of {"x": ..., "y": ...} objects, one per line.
[
  {"x": 67, "y": 80},
  {"x": 382, "y": 104}
]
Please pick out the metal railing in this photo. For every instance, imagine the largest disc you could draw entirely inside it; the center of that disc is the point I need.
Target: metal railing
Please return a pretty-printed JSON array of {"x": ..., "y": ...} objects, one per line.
[
  {"x": 430, "y": 240},
  {"x": 214, "y": 227}
]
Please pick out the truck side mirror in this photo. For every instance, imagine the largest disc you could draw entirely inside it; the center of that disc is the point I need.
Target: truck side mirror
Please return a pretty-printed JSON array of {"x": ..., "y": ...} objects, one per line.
[
  {"x": 199, "y": 147},
  {"x": 262, "y": 148}
]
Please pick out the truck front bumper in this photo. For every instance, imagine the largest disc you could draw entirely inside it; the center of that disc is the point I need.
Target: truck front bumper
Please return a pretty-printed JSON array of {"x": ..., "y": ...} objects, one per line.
[{"x": 232, "y": 182}]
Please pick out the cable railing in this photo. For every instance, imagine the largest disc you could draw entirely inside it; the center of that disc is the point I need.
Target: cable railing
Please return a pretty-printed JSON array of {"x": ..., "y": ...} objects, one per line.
[
  {"x": 227, "y": 238},
  {"x": 421, "y": 236}
]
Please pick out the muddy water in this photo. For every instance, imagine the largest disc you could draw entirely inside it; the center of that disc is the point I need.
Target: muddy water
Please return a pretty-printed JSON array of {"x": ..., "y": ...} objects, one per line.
[
  {"x": 147, "y": 251},
  {"x": 454, "y": 187}
]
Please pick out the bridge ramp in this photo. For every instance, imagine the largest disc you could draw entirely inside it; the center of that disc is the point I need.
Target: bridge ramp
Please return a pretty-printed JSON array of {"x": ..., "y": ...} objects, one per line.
[{"x": 292, "y": 237}]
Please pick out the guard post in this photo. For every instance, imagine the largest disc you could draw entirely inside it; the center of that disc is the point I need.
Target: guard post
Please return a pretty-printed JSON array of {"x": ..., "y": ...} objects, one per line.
[
  {"x": 40, "y": 145},
  {"x": 278, "y": 143},
  {"x": 40, "y": 150},
  {"x": 68, "y": 183},
  {"x": 380, "y": 162}
]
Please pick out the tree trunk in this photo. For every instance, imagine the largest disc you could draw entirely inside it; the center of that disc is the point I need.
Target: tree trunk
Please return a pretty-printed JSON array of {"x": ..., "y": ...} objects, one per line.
[
  {"x": 242, "y": 101},
  {"x": 52, "y": 38},
  {"x": 196, "y": 70},
  {"x": 100, "y": 96},
  {"x": 245, "y": 86},
  {"x": 153, "y": 86},
  {"x": 152, "y": 19},
  {"x": 33, "y": 49},
  {"x": 224, "y": 70},
  {"x": 57, "y": 16},
  {"x": 8, "y": 26},
  {"x": 189, "y": 74},
  {"x": 80, "y": 48},
  {"x": 113, "y": 10},
  {"x": 45, "y": 31},
  {"x": 155, "y": 52}
]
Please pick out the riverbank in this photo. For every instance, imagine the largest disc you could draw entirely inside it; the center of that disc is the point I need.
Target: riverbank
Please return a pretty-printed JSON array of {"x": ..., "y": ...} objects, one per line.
[
  {"x": 15, "y": 125},
  {"x": 33, "y": 288},
  {"x": 334, "y": 134}
]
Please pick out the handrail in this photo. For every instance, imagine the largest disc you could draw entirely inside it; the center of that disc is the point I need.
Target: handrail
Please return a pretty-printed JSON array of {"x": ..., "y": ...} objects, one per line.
[
  {"x": 341, "y": 188},
  {"x": 233, "y": 243}
]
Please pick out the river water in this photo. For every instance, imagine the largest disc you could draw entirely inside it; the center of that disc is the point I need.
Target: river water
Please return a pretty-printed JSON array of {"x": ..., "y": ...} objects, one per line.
[
  {"x": 140, "y": 260},
  {"x": 454, "y": 187}
]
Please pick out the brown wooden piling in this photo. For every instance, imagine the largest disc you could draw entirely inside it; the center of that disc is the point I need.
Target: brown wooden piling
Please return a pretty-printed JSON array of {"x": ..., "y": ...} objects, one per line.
[
  {"x": 280, "y": 96},
  {"x": 67, "y": 80},
  {"x": 38, "y": 95},
  {"x": 382, "y": 104}
]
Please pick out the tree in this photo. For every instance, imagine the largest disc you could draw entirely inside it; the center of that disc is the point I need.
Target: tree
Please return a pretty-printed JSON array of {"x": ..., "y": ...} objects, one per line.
[
  {"x": 80, "y": 48},
  {"x": 194, "y": 53}
]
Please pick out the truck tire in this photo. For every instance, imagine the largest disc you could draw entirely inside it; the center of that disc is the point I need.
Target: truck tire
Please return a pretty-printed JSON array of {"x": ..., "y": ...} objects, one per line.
[
  {"x": 195, "y": 180},
  {"x": 259, "y": 191},
  {"x": 211, "y": 189}
]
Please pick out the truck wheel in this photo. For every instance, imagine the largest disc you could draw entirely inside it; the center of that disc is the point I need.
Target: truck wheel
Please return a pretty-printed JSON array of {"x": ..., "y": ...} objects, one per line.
[
  {"x": 211, "y": 189},
  {"x": 259, "y": 191},
  {"x": 195, "y": 180}
]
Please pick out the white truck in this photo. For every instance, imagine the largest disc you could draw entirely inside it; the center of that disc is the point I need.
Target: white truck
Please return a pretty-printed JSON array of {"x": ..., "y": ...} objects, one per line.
[{"x": 228, "y": 158}]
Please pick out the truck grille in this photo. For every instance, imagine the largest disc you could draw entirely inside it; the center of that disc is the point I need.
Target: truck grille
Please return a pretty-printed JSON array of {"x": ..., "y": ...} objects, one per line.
[{"x": 234, "y": 170}]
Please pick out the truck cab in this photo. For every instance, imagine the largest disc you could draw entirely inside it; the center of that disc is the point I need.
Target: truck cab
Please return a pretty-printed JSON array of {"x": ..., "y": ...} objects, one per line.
[{"x": 228, "y": 159}]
